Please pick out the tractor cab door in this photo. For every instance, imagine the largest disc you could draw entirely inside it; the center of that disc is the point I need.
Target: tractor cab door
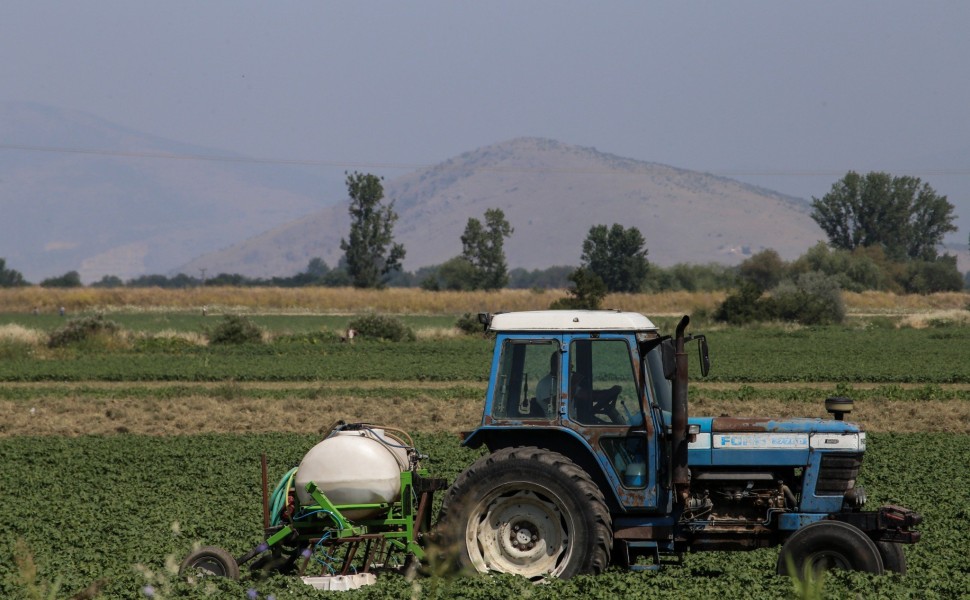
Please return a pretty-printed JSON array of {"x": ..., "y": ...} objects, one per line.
[
  {"x": 605, "y": 404},
  {"x": 526, "y": 386}
]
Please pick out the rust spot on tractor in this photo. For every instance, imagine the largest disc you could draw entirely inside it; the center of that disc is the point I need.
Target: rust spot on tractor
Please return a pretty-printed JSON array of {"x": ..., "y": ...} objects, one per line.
[
  {"x": 646, "y": 532},
  {"x": 740, "y": 424},
  {"x": 633, "y": 497}
]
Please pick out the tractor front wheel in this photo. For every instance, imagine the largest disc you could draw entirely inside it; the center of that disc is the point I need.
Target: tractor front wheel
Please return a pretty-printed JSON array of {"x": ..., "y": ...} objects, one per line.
[
  {"x": 527, "y": 511},
  {"x": 210, "y": 560},
  {"x": 893, "y": 558},
  {"x": 826, "y": 545}
]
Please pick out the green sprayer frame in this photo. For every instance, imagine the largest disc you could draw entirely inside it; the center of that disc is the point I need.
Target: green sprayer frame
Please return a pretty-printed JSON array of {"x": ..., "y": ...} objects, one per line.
[{"x": 348, "y": 546}]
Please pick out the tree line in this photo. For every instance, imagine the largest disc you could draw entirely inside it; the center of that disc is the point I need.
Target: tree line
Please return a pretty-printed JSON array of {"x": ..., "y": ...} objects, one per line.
[{"x": 883, "y": 234}]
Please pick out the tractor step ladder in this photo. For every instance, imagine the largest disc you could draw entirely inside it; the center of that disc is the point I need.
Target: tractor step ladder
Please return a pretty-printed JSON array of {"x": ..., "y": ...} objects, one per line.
[{"x": 649, "y": 550}]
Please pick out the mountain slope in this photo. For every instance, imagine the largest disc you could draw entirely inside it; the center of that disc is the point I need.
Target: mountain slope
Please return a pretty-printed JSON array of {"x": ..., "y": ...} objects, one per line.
[{"x": 551, "y": 193}]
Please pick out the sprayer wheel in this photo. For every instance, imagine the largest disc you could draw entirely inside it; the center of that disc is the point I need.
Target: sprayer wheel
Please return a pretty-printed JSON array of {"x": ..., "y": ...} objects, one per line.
[
  {"x": 527, "y": 511},
  {"x": 210, "y": 560}
]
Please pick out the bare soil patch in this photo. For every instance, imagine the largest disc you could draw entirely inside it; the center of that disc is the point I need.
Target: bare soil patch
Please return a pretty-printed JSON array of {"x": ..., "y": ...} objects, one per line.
[{"x": 53, "y": 410}]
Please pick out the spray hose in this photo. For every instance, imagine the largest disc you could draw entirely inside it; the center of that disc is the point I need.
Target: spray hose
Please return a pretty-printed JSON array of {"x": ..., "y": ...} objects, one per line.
[{"x": 278, "y": 498}]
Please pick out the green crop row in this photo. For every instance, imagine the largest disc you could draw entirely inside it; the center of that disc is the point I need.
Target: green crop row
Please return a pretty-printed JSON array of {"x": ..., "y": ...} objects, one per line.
[
  {"x": 461, "y": 359},
  {"x": 137, "y": 391},
  {"x": 841, "y": 354},
  {"x": 755, "y": 355},
  {"x": 91, "y": 509}
]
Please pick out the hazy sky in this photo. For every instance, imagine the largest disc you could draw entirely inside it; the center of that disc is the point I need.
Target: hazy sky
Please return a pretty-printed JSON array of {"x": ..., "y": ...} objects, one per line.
[{"x": 790, "y": 95}]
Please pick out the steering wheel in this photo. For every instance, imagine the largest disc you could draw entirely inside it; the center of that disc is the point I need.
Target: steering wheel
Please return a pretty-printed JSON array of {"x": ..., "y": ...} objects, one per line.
[{"x": 605, "y": 400}]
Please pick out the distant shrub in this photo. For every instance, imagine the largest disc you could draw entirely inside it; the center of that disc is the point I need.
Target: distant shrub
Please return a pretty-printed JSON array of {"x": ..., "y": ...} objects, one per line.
[
  {"x": 235, "y": 329},
  {"x": 691, "y": 278},
  {"x": 468, "y": 324},
  {"x": 857, "y": 270},
  {"x": 929, "y": 276},
  {"x": 382, "y": 327},
  {"x": 743, "y": 306},
  {"x": 811, "y": 299},
  {"x": 82, "y": 329}
]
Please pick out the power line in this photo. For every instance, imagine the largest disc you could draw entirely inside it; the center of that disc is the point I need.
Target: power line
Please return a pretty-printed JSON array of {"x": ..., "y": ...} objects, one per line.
[
  {"x": 206, "y": 157},
  {"x": 416, "y": 166}
]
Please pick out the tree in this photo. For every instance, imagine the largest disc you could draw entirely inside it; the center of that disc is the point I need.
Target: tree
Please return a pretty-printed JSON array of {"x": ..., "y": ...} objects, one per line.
[
  {"x": 10, "y": 277},
  {"x": 455, "y": 274},
  {"x": 618, "y": 256},
  {"x": 370, "y": 251},
  {"x": 588, "y": 292},
  {"x": 109, "y": 281},
  {"x": 317, "y": 267},
  {"x": 764, "y": 269},
  {"x": 482, "y": 247},
  {"x": 71, "y": 279},
  {"x": 907, "y": 218}
]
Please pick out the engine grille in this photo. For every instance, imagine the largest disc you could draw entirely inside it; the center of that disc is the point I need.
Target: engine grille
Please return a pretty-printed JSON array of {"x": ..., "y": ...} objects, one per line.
[{"x": 837, "y": 474}]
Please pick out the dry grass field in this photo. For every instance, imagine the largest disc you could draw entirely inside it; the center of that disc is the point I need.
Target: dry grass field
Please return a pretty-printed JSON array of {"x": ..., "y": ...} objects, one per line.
[{"x": 413, "y": 301}]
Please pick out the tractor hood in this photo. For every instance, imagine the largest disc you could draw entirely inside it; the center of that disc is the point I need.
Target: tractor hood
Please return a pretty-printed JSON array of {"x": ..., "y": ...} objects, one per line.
[{"x": 730, "y": 441}]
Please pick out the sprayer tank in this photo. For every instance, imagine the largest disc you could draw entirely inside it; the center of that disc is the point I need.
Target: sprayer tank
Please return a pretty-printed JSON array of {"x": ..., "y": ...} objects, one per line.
[{"x": 354, "y": 467}]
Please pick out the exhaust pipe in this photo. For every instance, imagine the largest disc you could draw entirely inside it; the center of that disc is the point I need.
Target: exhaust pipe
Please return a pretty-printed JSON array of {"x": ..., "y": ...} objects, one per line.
[{"x": 681, "y": 474}]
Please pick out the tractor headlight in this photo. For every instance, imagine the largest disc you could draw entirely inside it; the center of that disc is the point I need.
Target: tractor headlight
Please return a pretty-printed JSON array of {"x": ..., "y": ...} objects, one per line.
[{"x": 838, "y": 441}]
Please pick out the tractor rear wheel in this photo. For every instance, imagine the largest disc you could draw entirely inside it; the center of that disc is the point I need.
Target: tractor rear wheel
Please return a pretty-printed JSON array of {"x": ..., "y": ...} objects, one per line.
[
  {"x": 210, "y": 560},
  {"x": 527, "y": 511},
  {"x": 826, "y": 545}
]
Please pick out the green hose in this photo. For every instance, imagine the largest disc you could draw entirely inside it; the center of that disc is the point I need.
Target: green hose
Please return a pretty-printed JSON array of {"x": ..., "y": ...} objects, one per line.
[{"x": 278, "y": 499}]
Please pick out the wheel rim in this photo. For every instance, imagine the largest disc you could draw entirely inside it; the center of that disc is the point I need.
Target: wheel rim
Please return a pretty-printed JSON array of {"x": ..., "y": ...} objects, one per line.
[
  {"x": 520, "y": 528},
  {"x": 210, "y": 565},
  {"x": 827, "y": 560}
]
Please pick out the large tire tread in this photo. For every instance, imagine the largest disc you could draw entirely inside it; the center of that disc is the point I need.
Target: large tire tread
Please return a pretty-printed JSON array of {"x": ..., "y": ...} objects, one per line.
[{"x": 469, "y": 484}]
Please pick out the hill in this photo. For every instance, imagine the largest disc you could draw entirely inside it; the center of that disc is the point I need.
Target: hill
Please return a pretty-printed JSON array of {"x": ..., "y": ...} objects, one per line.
[{"x": 552, "y": 193}]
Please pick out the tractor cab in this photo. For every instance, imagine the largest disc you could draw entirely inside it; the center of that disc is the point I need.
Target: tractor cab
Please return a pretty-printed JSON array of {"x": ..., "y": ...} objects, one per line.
[{"x": 577, "y": 378}]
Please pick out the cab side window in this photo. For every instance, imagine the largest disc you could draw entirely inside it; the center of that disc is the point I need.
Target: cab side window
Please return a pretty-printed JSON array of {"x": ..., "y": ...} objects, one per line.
[{"x": 527, "y": 385}]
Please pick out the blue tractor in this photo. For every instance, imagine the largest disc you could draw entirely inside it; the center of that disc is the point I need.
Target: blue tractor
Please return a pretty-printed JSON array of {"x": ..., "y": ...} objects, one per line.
[{"x": 594, "y": 461}]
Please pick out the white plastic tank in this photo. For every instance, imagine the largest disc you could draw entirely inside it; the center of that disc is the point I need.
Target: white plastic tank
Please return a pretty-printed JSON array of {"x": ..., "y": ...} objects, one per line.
[{"x": 354, "y": 467}]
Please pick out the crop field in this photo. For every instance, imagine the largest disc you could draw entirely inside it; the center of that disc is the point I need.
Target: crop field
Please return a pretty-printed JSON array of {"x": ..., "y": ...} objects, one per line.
[
  {"x": 117, "y": 455},
  {"x": 121, "y": 509}
]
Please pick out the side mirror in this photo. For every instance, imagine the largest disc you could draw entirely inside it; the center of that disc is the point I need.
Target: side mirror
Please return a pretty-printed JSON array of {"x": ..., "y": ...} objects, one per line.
[{"x": 705, "y": 356}]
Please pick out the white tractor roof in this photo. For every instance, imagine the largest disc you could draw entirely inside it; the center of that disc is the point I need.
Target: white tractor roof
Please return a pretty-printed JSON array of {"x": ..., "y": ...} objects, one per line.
[{"x": 571, "y": 320}]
